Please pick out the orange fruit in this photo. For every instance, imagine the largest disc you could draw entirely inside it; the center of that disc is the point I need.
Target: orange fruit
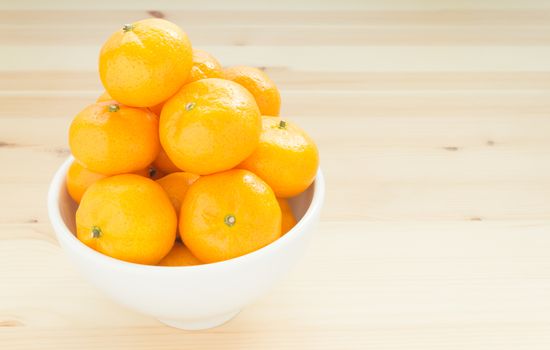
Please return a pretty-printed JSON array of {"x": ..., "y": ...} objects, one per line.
[
  {"x": 286, "y": 158},
  {"x": 176, "y": 185},
  {"x": 209, "y": 126},
  {"x": 204, "y": 66},
  {"x": 164, "y": 164},
  {"x": 127, "y": 217},
  {"x": 179, "y": 256},
  {"x": 229, "y": 214},
  {"x": 157, "y": 108},
  {"x": 151, "y": 172},
  {"x": 104, "y": 97},
  {"x": 260, "y": 86},
  {"x": 114, "y": 139},
  {"x": 146, "y": 62},
  {"x": 288, "y": 221},
  {"x": 79, "y": 179}
]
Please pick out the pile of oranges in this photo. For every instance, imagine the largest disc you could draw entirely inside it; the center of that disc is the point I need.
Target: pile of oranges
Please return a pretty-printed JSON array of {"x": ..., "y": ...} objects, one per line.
[{"x": 180, "y": 161}]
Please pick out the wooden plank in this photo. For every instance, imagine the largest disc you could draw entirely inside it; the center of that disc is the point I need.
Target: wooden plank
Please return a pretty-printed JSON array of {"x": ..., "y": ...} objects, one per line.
[
  {"x": 98, "y": 19},
  {"x": 455, "y": 294},
  {"x": 247, "y": 5},
  {"x": 296, "y": 35},
  {"x": 317, "y": 104},
  {"x": 313, "y": 58},
  {"x": 432, "y": 124},
  {"x": 20, "y": 82}
]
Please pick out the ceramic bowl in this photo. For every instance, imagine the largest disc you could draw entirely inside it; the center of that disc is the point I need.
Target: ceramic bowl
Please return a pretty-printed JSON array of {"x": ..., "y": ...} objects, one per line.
[{"x": 187, "y": 297}]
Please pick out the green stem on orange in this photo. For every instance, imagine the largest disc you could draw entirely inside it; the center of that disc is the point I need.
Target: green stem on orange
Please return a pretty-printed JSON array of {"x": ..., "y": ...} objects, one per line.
[
  {"x": 230, "y": 220},
  {"x": 189, "y": 106},
  {"x": 96, "y": 232},
  {"x": 114, "y": 108},
  {"x": 282, "y": 124},
  {"x": 127, "y": 27}
]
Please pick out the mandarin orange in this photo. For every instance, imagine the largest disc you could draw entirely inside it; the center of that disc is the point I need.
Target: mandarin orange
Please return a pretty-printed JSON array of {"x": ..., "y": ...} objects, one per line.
[
  {"x": 260, "y": 86},
  {"x": 79, "y": 179},
  {"x": 157, "y": 108},
  {"x": 288, "y": 220},
  {"x": 145, "y": 62},
  {"x": 204, "y": 66},
  {"x": 110, "y": 139},
  {"x": 127, "y": 217},
  {"x": 210, "y": 125},
  {"x": 286, "y": 158},
  {"x": 164, "y": 164},
  {"x": 180, "y": 255},
  {"x": 176, "y": 185},
  {"x": 229, "y": 214}
]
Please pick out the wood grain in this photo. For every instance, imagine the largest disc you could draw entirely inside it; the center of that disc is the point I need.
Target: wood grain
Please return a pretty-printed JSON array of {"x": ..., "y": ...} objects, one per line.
[{"x": 432, "y": 119}]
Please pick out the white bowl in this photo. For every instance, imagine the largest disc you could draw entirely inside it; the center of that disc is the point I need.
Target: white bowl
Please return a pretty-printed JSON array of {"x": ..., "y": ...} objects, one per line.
[{"x": 187, "y": 297}]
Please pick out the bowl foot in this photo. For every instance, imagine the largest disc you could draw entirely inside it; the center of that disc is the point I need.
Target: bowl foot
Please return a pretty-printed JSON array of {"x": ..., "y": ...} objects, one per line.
[{"x": 202, "y": 323}]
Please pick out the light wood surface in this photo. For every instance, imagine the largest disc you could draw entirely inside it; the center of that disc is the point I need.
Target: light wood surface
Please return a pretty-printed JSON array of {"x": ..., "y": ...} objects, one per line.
[{"x": 433, "y": 122}]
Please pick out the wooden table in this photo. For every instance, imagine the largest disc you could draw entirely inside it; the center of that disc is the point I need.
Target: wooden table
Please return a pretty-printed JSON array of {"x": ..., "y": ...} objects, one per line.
[{"x": 433, "y": 122}]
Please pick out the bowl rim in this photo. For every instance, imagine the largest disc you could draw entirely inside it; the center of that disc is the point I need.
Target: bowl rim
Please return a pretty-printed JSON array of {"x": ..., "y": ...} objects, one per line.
[{"x": 58, "y": 182}]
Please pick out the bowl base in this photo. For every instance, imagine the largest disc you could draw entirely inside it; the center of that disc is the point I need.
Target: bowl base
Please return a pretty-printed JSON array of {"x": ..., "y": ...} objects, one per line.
[{"x": 199, "y": 324}]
